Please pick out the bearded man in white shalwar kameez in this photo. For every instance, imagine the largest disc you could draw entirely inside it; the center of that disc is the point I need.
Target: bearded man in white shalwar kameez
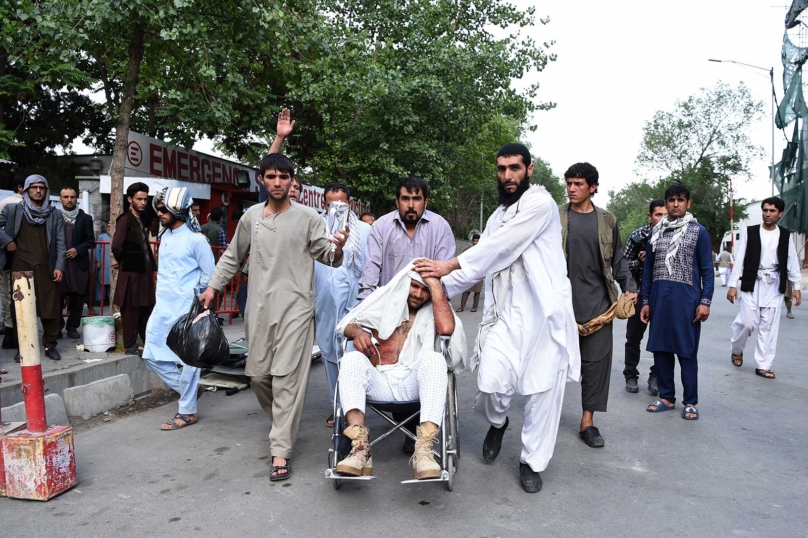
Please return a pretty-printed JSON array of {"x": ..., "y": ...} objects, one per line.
[{"x": 528, "y": 340}]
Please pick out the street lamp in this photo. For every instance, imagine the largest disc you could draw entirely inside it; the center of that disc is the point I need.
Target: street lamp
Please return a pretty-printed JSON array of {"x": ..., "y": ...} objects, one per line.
[{"x": 769, "y": 70}]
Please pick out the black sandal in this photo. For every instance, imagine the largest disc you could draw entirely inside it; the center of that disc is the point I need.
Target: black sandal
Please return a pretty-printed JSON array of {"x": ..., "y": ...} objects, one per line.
[
  {"x": 766, "y": 374},
  {"x": 276, "y": 468},
  {"x": 172, "y": 424}
]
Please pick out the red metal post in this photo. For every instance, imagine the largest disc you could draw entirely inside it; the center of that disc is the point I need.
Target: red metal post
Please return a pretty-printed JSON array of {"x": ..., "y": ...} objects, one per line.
[{"x": 33, "y": 385}]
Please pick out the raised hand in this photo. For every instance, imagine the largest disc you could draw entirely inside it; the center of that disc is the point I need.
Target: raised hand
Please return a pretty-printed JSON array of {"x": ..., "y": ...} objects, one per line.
[{"x": 285, "y": 123}]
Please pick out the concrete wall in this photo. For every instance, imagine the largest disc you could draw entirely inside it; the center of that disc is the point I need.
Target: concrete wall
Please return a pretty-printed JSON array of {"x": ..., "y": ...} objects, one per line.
[{"x": 140, "y": 377}]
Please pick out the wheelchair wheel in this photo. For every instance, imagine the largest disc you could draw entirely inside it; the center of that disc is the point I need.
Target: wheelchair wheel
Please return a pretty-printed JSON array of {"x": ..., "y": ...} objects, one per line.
[
  {"x": 334, "y": 458},
  {"x": 335, "y": 455},
  {"x": 451, "y": 465}
]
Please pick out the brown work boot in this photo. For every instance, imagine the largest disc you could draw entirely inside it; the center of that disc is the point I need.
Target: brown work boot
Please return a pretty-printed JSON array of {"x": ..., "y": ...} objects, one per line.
[
  {"x": 359, "y": 461},
  {"x": 423, "y": 461}
]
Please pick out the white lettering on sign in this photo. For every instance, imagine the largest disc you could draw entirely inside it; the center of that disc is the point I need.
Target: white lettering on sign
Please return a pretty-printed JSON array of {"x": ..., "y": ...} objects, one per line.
[
  {"x": 314, "y": 197},
  {"x": 151, "y": 156}
]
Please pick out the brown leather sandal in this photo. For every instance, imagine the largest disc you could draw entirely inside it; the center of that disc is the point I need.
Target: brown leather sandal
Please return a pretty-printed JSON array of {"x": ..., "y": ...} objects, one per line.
[{"x": 766, "y": 374}]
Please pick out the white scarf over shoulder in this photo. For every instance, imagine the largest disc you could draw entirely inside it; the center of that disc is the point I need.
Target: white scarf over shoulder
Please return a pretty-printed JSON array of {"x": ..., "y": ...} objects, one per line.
[{"x": 386, "y": 309}]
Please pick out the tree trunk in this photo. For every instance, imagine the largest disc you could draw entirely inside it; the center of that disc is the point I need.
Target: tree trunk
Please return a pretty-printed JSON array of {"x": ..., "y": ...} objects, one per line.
[
  {"x": 119, "y": 157},
  {"x": 3, "y": 62}
]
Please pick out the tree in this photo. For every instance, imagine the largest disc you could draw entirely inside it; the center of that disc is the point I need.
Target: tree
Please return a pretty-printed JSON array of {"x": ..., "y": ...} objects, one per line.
[
  {"x": 708, "y": 190},
  {"x": 409, "y": 89},
  {"x": 712, "y": 125},
  {"x": 192, "y": 62},
  {"x": 379, "y": 90},
  {"x": 543, "y": 175}
]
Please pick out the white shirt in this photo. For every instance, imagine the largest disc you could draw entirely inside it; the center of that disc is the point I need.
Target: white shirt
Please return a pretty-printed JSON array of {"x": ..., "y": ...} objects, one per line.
[
  {"x": 546, "y": 339},
  {"x": 767, "y": 287}
]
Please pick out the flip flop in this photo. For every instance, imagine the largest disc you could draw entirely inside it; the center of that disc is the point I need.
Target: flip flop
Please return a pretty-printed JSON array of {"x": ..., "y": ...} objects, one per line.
[
  {"x": 174, "y": 425},
  {"x": 284, "y": 476},
  {"x": 660, "y": 407},
  {"x": 691, "y": 410}
]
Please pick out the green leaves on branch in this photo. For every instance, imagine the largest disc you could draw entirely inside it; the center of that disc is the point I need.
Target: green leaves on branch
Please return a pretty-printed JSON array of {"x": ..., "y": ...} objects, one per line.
[{"x": 714, "y": 124}]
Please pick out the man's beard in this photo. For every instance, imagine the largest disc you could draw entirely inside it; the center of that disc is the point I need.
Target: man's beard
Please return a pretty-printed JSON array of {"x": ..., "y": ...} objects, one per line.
[
  {"x": 509, "y": 198},
  {"x": 409, "y": 217}
]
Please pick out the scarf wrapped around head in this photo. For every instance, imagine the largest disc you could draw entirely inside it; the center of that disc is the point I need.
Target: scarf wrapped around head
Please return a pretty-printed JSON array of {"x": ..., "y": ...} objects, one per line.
[
  {"x": 36, "y": 215},
  {"x": 678, "y": 228},
  {"x": 178, "y": 202}
]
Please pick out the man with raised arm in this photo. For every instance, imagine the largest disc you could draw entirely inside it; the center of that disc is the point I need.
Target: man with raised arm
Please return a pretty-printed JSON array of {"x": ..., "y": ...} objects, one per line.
[
  {"x": 528, "y": 340},
  {"x": 282, "y": 238}
]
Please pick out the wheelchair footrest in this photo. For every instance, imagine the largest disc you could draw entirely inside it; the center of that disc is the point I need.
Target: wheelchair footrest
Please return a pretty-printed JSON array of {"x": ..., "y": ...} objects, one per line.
[
  {"x": 331, "y": 473},
  {"x": 444, "y": 477}
]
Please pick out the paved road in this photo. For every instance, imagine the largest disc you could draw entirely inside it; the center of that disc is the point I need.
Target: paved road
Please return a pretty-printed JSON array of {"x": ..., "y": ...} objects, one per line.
[{"x": 739, "y": 471}]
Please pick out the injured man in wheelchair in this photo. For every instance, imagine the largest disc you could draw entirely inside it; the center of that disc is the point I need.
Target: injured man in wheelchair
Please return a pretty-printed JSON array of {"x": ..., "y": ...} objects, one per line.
[{"x": 395, "y": 331}]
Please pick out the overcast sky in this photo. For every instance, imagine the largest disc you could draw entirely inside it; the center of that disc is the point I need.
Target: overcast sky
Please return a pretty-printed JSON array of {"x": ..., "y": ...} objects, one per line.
[{"x": 619, "y": 62}]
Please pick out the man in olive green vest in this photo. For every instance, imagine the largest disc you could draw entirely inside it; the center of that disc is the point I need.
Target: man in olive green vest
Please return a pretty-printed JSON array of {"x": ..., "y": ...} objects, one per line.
[
  {"x": 595, "y": 260},
  {"x": 213, "y": 230}
]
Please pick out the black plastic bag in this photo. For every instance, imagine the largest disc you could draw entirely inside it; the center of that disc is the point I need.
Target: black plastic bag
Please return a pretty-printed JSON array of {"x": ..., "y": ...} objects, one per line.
[{"x": 198, "y": 339}]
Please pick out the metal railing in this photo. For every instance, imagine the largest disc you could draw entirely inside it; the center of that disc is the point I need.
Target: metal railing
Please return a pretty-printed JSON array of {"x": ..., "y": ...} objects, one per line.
[{"x": 225, "y": 302}]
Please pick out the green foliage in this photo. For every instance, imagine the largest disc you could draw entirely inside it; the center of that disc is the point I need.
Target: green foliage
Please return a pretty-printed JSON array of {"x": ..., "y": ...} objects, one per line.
[
  {"x": 704, "y": 142},
  {"x": 709, "y": 191},
  {"x": 712, "y": 125},
  {"x": 543, "y": 175},
  {"x": 379, "y": 90}
]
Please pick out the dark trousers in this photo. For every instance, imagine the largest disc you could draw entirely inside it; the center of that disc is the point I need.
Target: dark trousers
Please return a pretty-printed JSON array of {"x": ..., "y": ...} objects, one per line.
[
  {"x": 465, "y": 299},
  {"x": 241, "y": 298},
  {"x": 134, "y": 319},
  {"x": 50, "y": 329},
  {"x": 635, "y": 330},
  {"x": 75, "y": 303},
  {"x": 665, "y": 364}
]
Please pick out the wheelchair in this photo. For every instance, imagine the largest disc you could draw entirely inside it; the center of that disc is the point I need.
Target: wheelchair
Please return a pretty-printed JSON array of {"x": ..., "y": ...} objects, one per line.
[{"x": 449, "y": 454}]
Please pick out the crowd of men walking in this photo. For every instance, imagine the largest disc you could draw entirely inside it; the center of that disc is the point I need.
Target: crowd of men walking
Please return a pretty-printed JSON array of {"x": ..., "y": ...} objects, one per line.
[{"x": 549, "y": 274}]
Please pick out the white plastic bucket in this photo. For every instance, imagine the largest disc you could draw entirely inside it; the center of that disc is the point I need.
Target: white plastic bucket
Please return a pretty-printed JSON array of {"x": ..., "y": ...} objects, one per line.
[{"x": 99, "y": 333}]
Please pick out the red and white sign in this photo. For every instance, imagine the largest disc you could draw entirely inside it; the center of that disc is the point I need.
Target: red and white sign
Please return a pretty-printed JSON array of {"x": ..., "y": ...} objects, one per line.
[
  {"x": 151, "y": 157},
  {"x": 314, "y": 197}
]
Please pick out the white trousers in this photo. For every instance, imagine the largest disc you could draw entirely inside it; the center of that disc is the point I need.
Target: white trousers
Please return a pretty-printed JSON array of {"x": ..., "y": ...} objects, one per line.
[
  {"x": 725, "y": 274},
  {"x": 767, "y": 323},
  {"x": 360, "y": 380},
  {"x": 185, "y": 383},
  {"x": 541, "y": 418}
]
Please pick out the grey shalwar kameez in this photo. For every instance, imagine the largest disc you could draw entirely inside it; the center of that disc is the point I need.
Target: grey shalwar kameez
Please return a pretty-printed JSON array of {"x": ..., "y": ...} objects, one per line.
[
  {"x": 279, "y": 317},
  {"x": 590, "y": 299}
]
